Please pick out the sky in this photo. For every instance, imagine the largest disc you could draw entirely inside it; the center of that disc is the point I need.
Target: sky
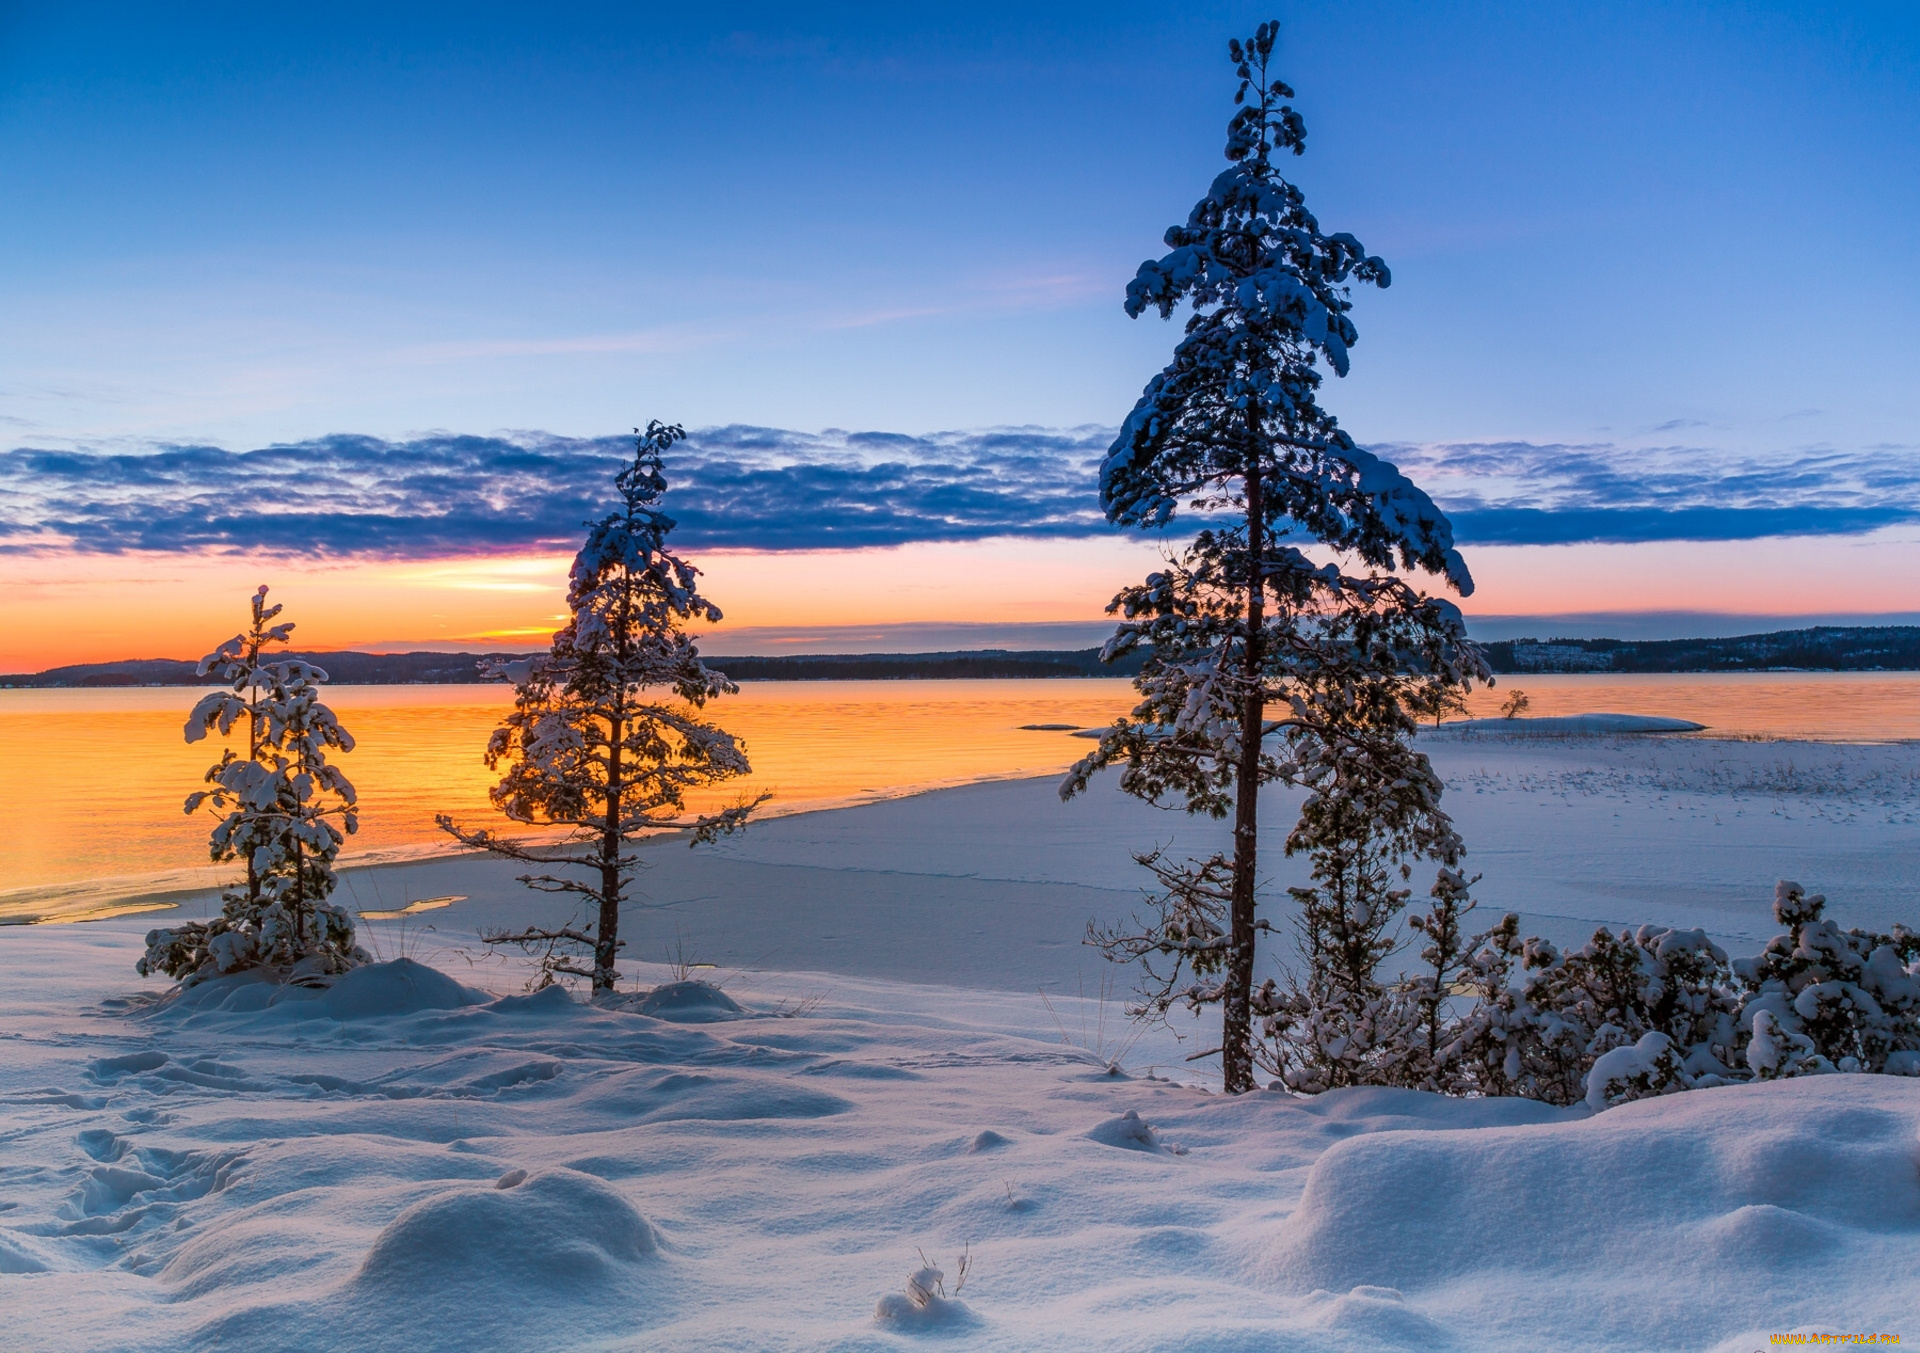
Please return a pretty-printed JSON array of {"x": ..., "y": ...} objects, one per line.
[{"x": 357, "y": 301}]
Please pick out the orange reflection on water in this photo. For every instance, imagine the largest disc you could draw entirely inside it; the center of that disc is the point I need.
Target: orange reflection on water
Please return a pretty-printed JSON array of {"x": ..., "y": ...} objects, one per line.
[{"x": 91, "y": 781}]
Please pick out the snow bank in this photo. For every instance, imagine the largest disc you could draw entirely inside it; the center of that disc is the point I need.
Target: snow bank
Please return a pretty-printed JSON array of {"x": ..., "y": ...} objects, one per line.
[
  {"x": 1576, "y": 725},
  {"x": 535, "y": 1172},
  {"x": 1751, "y": 1204}
]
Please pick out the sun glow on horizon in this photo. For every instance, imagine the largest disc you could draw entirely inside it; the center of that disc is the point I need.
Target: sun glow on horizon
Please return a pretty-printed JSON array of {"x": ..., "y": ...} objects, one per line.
[{"x": 61, "y": 608}]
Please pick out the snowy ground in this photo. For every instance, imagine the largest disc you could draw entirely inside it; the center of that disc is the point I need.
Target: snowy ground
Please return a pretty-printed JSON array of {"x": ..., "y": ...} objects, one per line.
[{"x": 327, "y": 1172}]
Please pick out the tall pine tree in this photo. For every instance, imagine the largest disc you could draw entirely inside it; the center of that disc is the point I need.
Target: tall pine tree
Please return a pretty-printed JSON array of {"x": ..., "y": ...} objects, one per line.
[
  {"x": 1265, "y": 664},
  {"x": 605, "y": 737}
]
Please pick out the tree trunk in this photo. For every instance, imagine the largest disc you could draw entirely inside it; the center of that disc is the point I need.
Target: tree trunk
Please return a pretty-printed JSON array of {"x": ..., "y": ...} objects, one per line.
[
  {"x": 253, "y": 754},
  {"x": 606, "y": 934},
  {"x": 1236, "y": 1024},
  {"x": 299, "y": 900}
]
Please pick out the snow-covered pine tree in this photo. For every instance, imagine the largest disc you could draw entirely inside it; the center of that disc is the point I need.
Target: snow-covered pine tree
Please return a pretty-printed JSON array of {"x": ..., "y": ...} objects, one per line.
[
  {"x": 1242, "y": 622},
  {"x": 284, "y": 811},
  {"x": 605, "y": 736},
  {"x": 1344, "y": 1026},
  {"x": 1373, "y": 801}
]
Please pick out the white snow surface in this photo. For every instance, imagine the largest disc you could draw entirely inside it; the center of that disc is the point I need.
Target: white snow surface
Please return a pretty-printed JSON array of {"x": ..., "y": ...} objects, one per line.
[
  {"x": 422, "y": 1158},
  {"x": 409, "y": 1169}
]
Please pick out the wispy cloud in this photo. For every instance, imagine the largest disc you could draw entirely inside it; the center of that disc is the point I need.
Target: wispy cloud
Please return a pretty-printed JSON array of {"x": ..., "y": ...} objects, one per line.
[{"x": 756, "y": 488}]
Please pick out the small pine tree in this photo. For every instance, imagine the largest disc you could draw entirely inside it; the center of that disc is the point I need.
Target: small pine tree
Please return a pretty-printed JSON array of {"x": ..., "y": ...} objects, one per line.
[
  {"x": 1434, "y": 992},
  {"x": 591, "y": 746},
  {"x": 1349, "y": 1028},
  {"x": 1515, "y": 705},
  {"x": 1373, "y": 801},
  {"x": 1242, "y": 623},
  {"x": 284, "y": 811}
]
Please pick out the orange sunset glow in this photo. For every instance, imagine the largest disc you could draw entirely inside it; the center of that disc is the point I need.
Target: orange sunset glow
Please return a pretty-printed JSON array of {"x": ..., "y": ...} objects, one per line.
[{"x": 69, "y": 608}]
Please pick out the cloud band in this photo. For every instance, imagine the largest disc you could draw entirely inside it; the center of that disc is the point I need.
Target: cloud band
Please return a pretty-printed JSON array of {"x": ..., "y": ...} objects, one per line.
[{"x": 768, "y": 489}]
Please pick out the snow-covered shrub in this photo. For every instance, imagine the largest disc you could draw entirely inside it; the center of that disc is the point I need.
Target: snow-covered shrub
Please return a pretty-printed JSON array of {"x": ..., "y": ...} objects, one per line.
[
  {"x": 1243, "y": 627},
  {"x": 926, "y": 1303},
  {"x": 1652, "y": 1066},
  {"x": 1628, "y": 1015},
  {"x": 1541, "y": 1039},
  {"x": 1657, "y": 1010},
  {"x": 279, "y": 804},
  {"x": 604, "y": 737},
  {"x": 1820, "y": 998},
  {"x": 1774, "y": 1051}
]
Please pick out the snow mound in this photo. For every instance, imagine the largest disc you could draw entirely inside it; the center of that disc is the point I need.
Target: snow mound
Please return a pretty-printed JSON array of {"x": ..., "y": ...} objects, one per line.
[
  {"x": 495, "y": 1265},
  {"x": 556, "y": 1230},
  {"x": 691, "y": 1002},
  {"x": 371, "y": 991},
  {"x": 1130, "y": 1132},
  {"x": 1381, "y": 1315},
  {"x": 1675, "y": 1198},
  {"x": 401, "y": 987},
  {"x": 1577, "y": 725}
]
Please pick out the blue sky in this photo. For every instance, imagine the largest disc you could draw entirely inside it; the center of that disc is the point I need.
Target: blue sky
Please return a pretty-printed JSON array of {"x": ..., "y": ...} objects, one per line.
[
  {"x": 1652, "y": 260},
  {"x": 1695, "y": 223}
]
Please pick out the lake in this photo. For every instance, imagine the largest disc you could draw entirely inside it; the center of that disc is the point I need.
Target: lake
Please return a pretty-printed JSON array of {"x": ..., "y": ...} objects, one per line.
[{"x": 92, "y": 781}]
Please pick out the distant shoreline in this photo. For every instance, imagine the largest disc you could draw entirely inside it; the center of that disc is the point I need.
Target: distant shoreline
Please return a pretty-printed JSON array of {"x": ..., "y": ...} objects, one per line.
[
  {"x": 1884, "y": 648},
  {"x": 456, "y": 669}
]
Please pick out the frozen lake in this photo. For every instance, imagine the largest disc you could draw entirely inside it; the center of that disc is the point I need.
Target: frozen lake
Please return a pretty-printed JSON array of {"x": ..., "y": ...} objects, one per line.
[{"x": 91, "y": 781}]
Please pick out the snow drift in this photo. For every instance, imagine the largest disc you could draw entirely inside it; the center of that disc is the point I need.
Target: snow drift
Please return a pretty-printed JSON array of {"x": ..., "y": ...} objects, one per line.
[{"x": 1760, "y": 1200}]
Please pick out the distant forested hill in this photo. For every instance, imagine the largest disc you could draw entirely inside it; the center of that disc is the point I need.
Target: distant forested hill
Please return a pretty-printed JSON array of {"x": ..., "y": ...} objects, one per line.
[
  {"x": 347, "y": 669},
  {"x": 1885, "y": 648},
  {"x": 1890, "y": 648},
  {"x": 400, "y": 669},
  {"x": 988, "y": 662}
]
